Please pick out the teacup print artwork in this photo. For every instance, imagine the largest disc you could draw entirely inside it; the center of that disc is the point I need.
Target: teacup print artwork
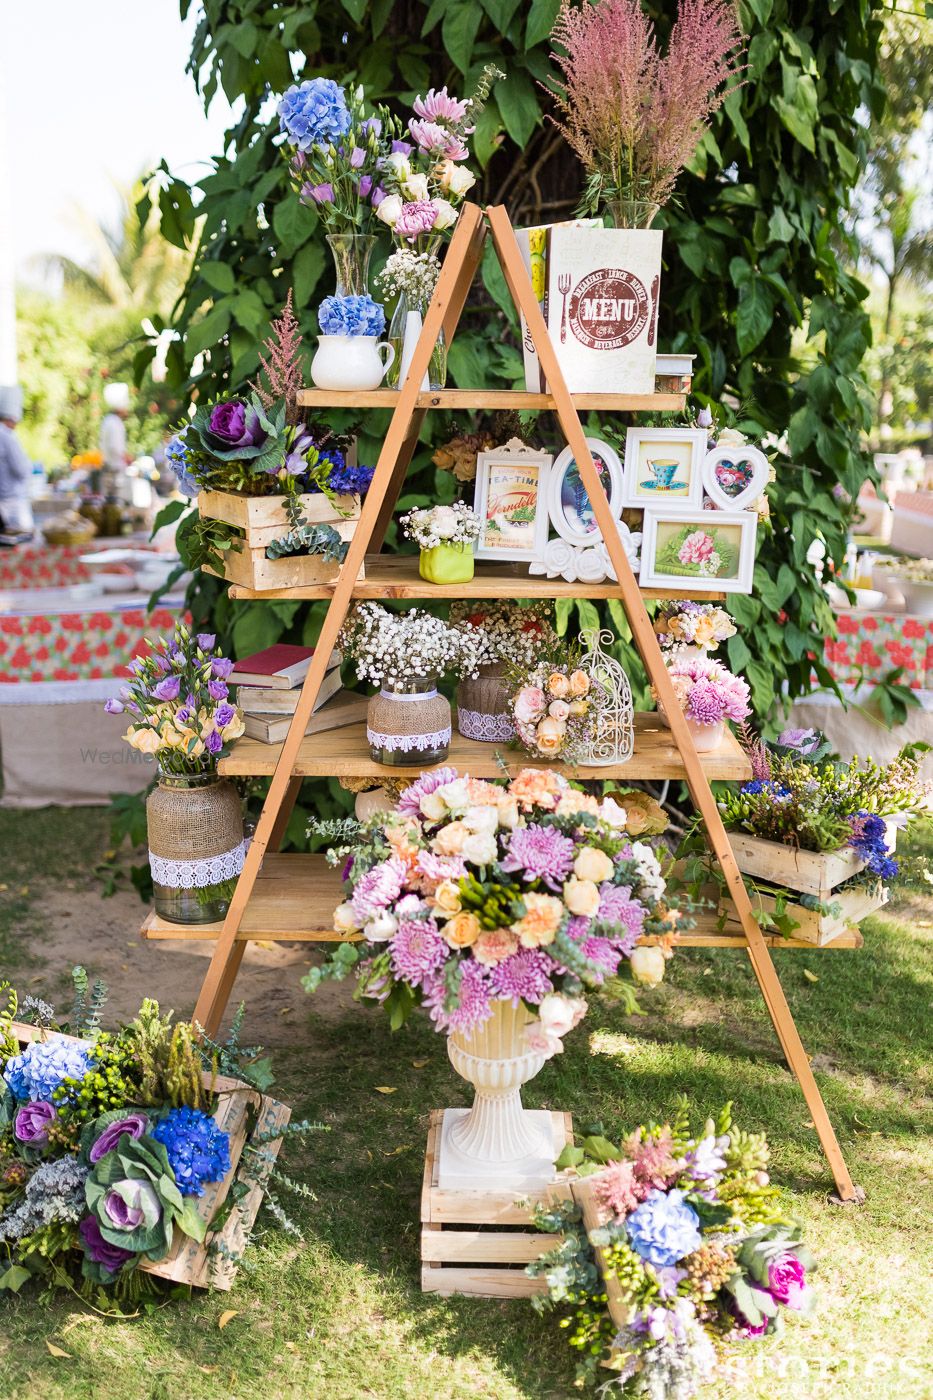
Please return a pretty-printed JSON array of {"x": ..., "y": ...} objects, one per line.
[
  {"x": 570, "y": 507},
  {"x": 715, "y": 549},
  {"x": 664, "y": 467},
  {"x": 735, "y": 476}
]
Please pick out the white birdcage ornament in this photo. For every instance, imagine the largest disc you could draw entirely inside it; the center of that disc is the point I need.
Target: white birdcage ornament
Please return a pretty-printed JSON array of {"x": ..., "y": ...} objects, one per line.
[{"x": 614, "y": 737}]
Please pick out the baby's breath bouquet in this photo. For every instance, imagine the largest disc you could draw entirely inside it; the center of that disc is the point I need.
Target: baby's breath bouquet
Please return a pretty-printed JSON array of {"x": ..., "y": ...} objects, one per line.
[
  {"x": 454, "y": 524},
  {"x": 394, "y": 649}
]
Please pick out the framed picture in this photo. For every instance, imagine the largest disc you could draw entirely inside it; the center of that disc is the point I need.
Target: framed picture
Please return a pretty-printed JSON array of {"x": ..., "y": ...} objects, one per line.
[
  {"x": 664, "y": 467},
  {"x": 715, "y": 548},
  {"x": 568, "y": 504},
  {"x": 511, "y": 502},
  {"x": 735, "y": 477}
]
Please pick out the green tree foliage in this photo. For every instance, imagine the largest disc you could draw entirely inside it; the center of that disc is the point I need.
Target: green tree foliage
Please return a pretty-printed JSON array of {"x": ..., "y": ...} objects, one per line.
[{"x": 754, "y": 281}]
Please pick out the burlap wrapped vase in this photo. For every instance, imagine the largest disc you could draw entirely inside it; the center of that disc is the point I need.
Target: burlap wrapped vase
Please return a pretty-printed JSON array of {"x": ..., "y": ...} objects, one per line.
[
  {"x": 410, "y": 725},
  {"x": 483, "y": 706},
  {"x": 196, "y": 845}
]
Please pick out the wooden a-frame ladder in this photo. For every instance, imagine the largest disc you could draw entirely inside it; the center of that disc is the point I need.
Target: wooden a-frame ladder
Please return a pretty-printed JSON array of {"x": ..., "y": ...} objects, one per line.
[{"x": 460, "y": 266}]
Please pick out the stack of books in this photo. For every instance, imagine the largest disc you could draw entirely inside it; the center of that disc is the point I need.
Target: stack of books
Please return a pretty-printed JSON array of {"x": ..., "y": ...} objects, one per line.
[{"x": 269, "y": 684}]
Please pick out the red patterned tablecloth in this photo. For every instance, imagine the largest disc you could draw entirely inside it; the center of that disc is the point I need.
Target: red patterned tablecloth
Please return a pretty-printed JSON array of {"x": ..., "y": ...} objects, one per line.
[
  {"x": 72, "y": 646},
  {"x": 871, "y": 644},
  {"x": 43, "y": 566}
]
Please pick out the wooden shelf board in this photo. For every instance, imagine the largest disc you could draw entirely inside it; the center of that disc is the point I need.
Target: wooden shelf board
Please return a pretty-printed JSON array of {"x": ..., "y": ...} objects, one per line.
[
  {"x": 491, "y": 399},
  {"x": 341, "y": 753},
  {"x": 396, "y": 576},
  {"x": 296, "y": 895}
]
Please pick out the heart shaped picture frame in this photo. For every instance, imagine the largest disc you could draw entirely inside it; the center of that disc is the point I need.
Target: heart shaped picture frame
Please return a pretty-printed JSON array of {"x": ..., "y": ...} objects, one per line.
[{"x": 735, "y": 476}]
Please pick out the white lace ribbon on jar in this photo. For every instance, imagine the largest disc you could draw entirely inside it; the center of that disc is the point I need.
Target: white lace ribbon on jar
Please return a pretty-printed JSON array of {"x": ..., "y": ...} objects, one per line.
[
  {"x": 198, "y": 874},
  {"x": 484, "y": 727},
  {"x": 407, "y": 742}
]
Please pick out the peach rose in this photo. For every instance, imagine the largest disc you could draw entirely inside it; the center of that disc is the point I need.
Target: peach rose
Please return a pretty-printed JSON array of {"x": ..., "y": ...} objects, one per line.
[
  {"x": 507, "y": 810},
  {"x": 549, "y": 737},
  {"x": 559, "y": 1014},
  {"x": 235, "y": 728},
  {"x": 536, "y": 787},
  {"x": 543, "y": 916},
  {"x": 579, "y": 683},
  {"x": 581, "y": 897},
  {"x": 647, "y": 966},
  {"x": 433, "y": 807},
  {"x": 539, "y": 1042},
  {"x": 447, "y": 899},
  {"x": 449, "y": 840},
  {"x": 593, "y": 864},
  {"x": 558, "y": 709},
  {"x": 462, "y": 930},
  {"x": 493, "y": 946},
  {"x": 558, "y": 685},
  {"x": 529, "y": 704},
  {"x": 344, "y": 922},
  {"x": 573, "y": 802}
]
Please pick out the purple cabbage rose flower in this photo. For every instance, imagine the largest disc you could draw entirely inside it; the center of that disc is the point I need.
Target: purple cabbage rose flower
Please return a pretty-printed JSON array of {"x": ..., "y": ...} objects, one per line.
[
  {"x": 787, "y": 1281},
  {"x": 136, "y": 1124},
  {"x": 110, "y": 1256},
  {"x": 167, "y": 689},
  {"x": 31, "y": 1123},
  {"x": 123, "y": 1216},
  {"x": 235, "y": 424},
  {"x": 131, "y": 1203}
]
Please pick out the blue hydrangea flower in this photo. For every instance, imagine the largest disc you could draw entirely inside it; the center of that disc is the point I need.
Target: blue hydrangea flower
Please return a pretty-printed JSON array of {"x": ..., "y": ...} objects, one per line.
[
  {"x": 351, "y": 316},
  {"x": 176, "y": 454},
  {"x": 663, "y": 1229},
  {"x": 43, "y": 1066},
  {"x": 198, "y": 1150},
  {"x": 314, "y": 113}
]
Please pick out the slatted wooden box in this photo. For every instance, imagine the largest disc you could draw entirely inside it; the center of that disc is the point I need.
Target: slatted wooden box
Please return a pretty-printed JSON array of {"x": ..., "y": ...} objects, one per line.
[
  {"x": 203, "y": 1265},
  {"x": 477, "y": 1242},
  {"x": 809, "y": 872},
  {"x": 262, "y": 519},
  {"x": 814, "y": 927}
]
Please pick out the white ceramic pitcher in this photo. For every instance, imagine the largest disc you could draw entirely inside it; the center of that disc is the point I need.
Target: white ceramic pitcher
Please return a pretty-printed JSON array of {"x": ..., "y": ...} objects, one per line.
[{"x": 350, "y": 361}]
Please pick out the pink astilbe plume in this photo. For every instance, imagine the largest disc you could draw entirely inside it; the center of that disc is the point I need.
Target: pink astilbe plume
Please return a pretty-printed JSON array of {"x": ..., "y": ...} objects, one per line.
[
  {"x": 634, "y": 118},
  {"x": 282, "y": 369}
]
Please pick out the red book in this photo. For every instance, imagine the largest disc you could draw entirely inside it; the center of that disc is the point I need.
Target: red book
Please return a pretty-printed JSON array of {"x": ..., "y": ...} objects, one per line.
[{"x": 282, "y": 666}]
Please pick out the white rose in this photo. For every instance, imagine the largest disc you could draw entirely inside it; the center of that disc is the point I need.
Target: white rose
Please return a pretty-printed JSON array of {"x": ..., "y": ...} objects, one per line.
[
  {"x": 539, "y": 1042},
  {"x": 592, "y": 864},
  {"x": 731, "y": 437},
  {"x": 612, "y": 813},
  {"x": 444, "y": 213},
  {"x": 454, "y": 795},
  {"x": 481, "y": 818},
  {"x": 449, "y": 841},
  {"x": 381, "y": 928},
  {"x": 399, "y": 164},
  {"x": 558, "y": 709},
  {"x": 458, "y": 180},
  {"x": 507, "y": 811},
  {"x": 433, "y": 806},
  {"x": 559, "y": 1014},
  {"x": 480, "y": 848},
  {"x": 444, "y": 522},
  {"x": 344, "y": 922},
  {"x": 649, "y": 869},
  {"x": 581, "y": 897},
  {"x": 647, "y": 966},
  {"x": 415, "y": 187},
  {"x": 389, "y": 209}
]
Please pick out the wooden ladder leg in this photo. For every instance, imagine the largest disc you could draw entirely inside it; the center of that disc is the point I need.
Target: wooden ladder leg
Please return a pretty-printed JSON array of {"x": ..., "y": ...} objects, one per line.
[{"x": 519, "y": 284}]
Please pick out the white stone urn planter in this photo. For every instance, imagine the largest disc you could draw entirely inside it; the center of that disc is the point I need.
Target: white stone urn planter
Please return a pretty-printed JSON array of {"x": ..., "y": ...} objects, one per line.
[{"x": 496, "y": 1144}]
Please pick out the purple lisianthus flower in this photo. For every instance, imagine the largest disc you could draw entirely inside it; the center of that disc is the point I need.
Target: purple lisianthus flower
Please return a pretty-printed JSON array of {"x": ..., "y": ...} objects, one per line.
[
  {"x": 113, "y": 707},
  {"x": 167, "y": 689},
  {"x": 379, "y": 195},
  {"x": 207, "y": 640},
  {"x": 214, "y": 742},
  {"x": 787, "y": 1281},
  {"x": 217, "y": 690},
  {"x": 221, "y": 666},
  {"x": 804, "y": 740},
  {"x": 366, "y": 184},
  {"x": 357, "y": 157},
  {"x": 706, "y": 1160},
  {"x": 31, "y": 1123},
  {"x": 134, "y": 1124},
  {"x": 372, "y": 124},
  {"x": 401, "y": 148},
  {"x": 110, "y": 1256},
  {"x": 318, "y": 194},
  {"x": 223, "y": 715}
]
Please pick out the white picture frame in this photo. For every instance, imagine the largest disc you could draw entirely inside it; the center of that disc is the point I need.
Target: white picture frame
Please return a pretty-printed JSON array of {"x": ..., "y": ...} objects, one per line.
[
  {"x": 574, "y": 521},
  {"x": 664, "y": 468},
  {"x": 722, "y": 495},
  {"x": 661, "y": 530},
  {"x": 507, "y": 478}
]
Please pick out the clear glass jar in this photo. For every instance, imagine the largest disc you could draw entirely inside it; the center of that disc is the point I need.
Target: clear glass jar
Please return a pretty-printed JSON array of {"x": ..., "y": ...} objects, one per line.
[
  {"x": 196, "y": 846},
  {"x": 404, "y": 330},
  {"x": 632, "y": 213},
  {"x": 351, "y": 253}
]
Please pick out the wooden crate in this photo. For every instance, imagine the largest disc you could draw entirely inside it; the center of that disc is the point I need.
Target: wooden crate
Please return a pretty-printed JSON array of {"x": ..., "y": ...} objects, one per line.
[
  {"x": 819, "y": 929},
  {"x": 250, "y": 568},
  {"x": 196, "y": 1263},
  {"x": 477, "y": 1242},
  {"x": 808, "y": 872},
  {"x": 262, "y": 518}
]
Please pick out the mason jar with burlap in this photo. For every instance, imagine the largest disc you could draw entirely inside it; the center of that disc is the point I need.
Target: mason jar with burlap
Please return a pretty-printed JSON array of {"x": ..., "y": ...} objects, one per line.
[
  {"x": 483, "y": 706},
  {"x": 196, "y": 846},
  {"x": 409, "y": 725}
]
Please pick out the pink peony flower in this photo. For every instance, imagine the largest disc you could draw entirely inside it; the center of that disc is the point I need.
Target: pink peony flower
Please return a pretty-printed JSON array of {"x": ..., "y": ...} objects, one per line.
[
  {"x": 696, "y": 548},
  {"x": 530, "y": 704}
]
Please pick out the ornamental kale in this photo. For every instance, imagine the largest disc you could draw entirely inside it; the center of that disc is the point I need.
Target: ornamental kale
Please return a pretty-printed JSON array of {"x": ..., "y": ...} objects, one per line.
[
  {"x": 197, "y": 1149},
  {"x": 353, "y": 315},
  {"x": 43, "y": 1066},
  {"x": 131, "y": 1192}
]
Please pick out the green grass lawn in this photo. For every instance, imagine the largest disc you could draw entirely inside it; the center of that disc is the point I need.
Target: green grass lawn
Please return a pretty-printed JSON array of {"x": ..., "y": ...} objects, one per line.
[{"x": 340, "y": 1313}]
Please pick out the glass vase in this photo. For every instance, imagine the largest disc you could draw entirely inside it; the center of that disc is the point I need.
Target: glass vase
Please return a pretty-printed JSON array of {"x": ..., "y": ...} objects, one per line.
[
  {"x": 351, "y": 253},
  {"x": 409, "y": 725},
  {"x": 632, "y": 213},
  {"x": 196, "y": 846},
  {"x": 404, "y": 331}
]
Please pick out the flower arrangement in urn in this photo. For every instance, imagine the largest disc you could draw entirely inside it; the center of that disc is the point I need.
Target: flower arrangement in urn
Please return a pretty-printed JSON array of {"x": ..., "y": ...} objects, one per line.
[
  {"x": 507, "y": 635},
  {"x": 674, "y": 1243},
  {"x": 178, "y": 704},
  {"x": 444, "y": 535},
  {"x": 114, "y": 1145},
  {"x": 709, "y": 695}
]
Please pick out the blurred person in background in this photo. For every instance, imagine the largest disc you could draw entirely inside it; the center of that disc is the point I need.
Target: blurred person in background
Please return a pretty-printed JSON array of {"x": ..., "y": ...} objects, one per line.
[
  {"x": 15, "y": 466},
  {"x": 113, "y": 441}
]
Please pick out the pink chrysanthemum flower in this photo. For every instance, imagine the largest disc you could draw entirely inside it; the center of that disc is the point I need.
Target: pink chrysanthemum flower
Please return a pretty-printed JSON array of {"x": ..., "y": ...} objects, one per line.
[
  {"x": 417, "y": 950},
  {"x": 705, "y": 703},
  {"x": 377, "y": 889},
  {"x": 438, "y": 105},
  {"x": 540, "y": 853},
  {"x": 474, "y": 999},
  {"x": 409, "y": 804},
  {"x": 432, "y": 869},
  {"x": 602, "y": 953},
  {"x": 525, "y": 976}
]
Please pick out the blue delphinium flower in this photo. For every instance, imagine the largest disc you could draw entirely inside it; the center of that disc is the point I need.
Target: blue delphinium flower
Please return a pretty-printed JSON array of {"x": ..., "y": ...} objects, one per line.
[
  {"x": 198, "y": 1151},
  {"x": 869, "y": 839},
  {"x": 764, "y": 785},
  {"x": 351, "y": 481},
  {"x": 314, "y": 113},
  {"x": 176, "y": 454},
  {"x": 663, "y": 1228},
  {"x": 43, "y": 1065},
  {"x": 351, "y": 316}
]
